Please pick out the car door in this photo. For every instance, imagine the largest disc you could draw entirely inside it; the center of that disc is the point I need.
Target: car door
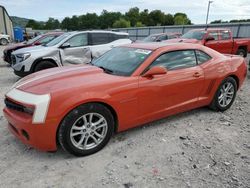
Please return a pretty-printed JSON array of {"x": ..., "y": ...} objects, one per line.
[
  {"x": 76, "y": 50},
  {"x": 214, "y": 44},
  {"x": 178, "y": 90},
  {"x": 225, "y": 42}
]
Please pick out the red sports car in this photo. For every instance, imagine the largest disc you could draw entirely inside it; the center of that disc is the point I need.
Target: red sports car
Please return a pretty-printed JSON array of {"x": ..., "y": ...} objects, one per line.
[{"x": 82, "y": 106}]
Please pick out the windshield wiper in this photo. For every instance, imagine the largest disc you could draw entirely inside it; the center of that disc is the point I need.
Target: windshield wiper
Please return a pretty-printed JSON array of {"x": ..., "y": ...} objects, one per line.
[{"x": 106, "y": 70}]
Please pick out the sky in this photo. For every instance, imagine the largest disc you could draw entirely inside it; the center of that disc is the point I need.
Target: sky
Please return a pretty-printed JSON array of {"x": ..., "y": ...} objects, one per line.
[{"x": 196, "y": 10}]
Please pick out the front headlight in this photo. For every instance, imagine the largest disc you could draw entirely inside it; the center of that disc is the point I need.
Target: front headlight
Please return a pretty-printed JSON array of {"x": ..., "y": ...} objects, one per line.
[{"x": 23, "y": 57}]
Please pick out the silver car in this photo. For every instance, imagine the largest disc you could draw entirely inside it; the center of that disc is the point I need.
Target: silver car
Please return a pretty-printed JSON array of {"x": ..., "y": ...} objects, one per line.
[{"x": 69, "y": 48}]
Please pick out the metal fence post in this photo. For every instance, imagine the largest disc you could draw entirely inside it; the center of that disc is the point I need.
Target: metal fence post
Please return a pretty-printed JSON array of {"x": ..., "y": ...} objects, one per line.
[{"x": 238, "y": 31}]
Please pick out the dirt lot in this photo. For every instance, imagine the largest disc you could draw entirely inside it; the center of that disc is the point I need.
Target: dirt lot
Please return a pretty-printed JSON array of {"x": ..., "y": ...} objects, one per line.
[{"x": 200, "y": 148}]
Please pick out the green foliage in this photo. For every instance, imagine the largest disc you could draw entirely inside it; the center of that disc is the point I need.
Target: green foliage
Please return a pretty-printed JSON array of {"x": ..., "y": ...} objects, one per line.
[
  {"x": 139, "y": 24},
  {"x": 157, "y": 17},
  {"x": 107, "y": 19},
  {"x": 34, "y": 24},
  {"x": 133, "y": 18},
  {"x": 181, "y": 19},
  {"x": 52, "y": 24},
  {"x": 133, "y": 15},
  {"x": 121, "y": 23}
]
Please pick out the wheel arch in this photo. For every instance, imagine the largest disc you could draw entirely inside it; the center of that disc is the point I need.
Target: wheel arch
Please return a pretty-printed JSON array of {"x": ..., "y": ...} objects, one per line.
[
  {"x": 235, "y": 78},
  {"x": 243, "y": 47},
  {"x": 36, "y": 62},
  {"x": 112, "y": 110}
]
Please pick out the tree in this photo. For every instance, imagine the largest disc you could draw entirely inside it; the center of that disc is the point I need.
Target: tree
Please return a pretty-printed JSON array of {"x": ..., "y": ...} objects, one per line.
[
  {"x": 139, "y": 24},
  {"x": 66, "y": 23},
  {"x": 52, "y": 24},
  {"x": 144, "y": 17},
  {"x": 133, "y": 15},
  {"x": 181, "y": 19},
  {"x": 169, "y": 19},
  {"x": 121, "y": 23},
  {"x": 107, "y": 19},
  {"x": 89, "y": 21},
  {"x": 34, "y": 24},
  {"x": 157, "y": 17}
]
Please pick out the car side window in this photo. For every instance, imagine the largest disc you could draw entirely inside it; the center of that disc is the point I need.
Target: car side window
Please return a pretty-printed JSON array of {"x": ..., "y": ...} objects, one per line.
[
  {"x": 213, "y": 34},
  {"x": 176, "y": 60},
  {"x": 202, "y": 57},
  {"x": 163, "y": 37},
  {"x": 47, "y": 39},
  {"x": 78, "y": 40},
  {"x": 99, "y": 38},
  {"x": 225, "y": 35}
]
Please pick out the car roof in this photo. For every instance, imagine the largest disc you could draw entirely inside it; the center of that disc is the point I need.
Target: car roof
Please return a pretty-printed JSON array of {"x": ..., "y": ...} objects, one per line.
[
  {"x": 210, "y": 29},
  {"x": 53, "y": 33},
  {"x": 168, "y": 46},
  {"x": 159, "y": 34}
]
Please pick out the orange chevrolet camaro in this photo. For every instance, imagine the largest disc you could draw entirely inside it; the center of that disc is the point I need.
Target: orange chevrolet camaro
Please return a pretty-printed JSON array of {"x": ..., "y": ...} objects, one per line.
[{"x": 82, "y": 106}]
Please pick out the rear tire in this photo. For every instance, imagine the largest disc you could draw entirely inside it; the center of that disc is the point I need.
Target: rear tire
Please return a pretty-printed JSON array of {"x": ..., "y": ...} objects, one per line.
[
  {"x": 42, "y": 65},
  {"x": 241, "y": 52},
  {"x": 4, "y": 42},
  {"x": 86, "y": 129},
  {"x": 225, "y": 95}
]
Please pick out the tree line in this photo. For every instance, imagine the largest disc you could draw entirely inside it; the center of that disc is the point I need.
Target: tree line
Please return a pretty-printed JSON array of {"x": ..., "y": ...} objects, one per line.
[{"x": 132, "y": 18}]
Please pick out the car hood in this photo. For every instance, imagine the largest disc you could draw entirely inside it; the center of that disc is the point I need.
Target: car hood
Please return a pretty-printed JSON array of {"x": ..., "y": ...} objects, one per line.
[
  {"x": 32, "y": 49},
  {"x": 14, "y": 46},
  {"x": 4, "y": 36},
  {"x": 195, "y": 41},
  {"x": 65, "y": 78}
]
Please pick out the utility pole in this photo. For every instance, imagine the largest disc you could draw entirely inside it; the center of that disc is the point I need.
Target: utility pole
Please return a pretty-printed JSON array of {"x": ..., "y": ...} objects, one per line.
[{"x": 208, "y": 7}]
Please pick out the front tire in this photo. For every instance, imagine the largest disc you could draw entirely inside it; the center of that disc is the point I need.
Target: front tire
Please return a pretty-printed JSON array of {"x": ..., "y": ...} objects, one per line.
[
  {"x": 241, "y": 52},
  {"x": 86, "y": 129},
  {"x": 42, "y": 65},
  {"x": 225, "y": 95}
]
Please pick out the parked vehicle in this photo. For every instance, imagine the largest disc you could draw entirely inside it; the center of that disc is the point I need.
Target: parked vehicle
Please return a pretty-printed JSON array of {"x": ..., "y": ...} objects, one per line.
[
  {"x": 4, "y": 39},
  {"x": 82, "y": 106},
  {"x": 38, "y": 40},
  {"x": 220, "y": 40},
  {"x": 70, "y": 48},
  {"x": 159, "y": 37}
]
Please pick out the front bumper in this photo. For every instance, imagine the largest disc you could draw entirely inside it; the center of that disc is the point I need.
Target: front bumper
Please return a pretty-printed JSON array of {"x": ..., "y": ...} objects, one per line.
[
  {"x": 39, "y": 136},
  {"x": 33, "y": 129}
]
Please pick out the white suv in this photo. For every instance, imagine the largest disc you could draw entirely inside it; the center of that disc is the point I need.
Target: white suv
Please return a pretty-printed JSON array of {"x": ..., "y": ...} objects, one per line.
[
  {"x": 69, "y": 48},
  {"x": 4, "y": 39}
]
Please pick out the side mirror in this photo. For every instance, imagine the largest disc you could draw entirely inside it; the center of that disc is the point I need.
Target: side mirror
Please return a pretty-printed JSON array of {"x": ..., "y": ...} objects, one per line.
[
  {"x": 155, "y": 71},
  {"x": 209, "y": 38},
  {"x": 65, "y": 45}
]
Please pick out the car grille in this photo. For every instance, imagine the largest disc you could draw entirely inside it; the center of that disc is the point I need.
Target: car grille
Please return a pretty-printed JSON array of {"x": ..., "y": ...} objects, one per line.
[
  {"x": 13, "y": 59},
  {"x": 14, "y": 106}
]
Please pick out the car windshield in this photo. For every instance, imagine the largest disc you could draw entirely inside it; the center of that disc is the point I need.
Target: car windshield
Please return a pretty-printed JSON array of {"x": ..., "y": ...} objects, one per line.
[
  {"x": 122, "y": 61},
  {"x": 31, "y": 41},
  {"x": 58, "y": 39},
  {"x": 150, "y": 38},
  {"x": 194, "y": 35}
]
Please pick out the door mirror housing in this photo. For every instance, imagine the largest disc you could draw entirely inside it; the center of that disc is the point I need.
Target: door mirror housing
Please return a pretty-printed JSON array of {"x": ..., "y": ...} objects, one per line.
[
  {"x": 157, "y": 70},
  {"x": 209, "y": 38},
  {"x": 65, "y": 45}
]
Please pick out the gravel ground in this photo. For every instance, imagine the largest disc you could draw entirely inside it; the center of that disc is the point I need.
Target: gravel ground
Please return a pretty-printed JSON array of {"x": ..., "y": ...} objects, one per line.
[{"x": 200, "y": 148}]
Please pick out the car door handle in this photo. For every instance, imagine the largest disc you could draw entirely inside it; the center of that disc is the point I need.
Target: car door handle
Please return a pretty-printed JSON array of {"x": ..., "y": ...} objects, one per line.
[{"x": 197, "y": 74}]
